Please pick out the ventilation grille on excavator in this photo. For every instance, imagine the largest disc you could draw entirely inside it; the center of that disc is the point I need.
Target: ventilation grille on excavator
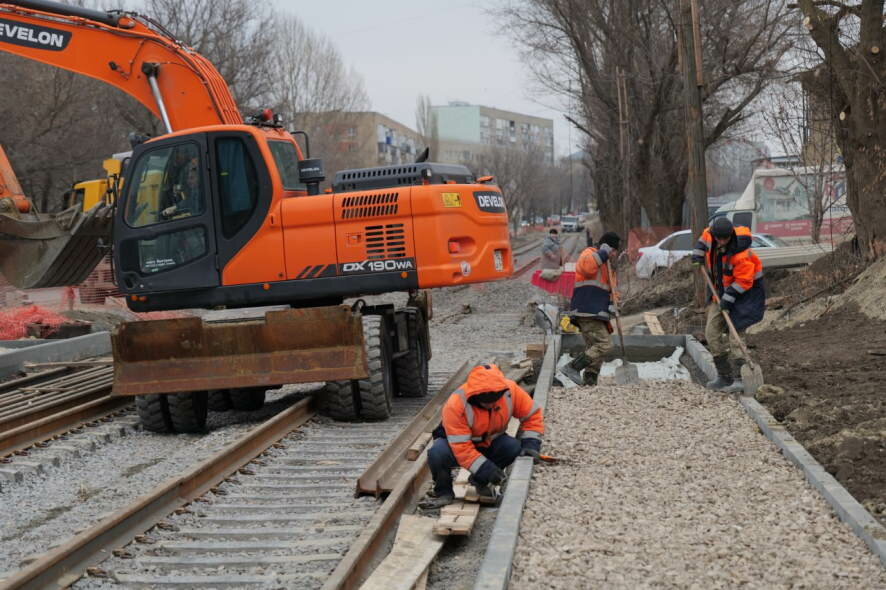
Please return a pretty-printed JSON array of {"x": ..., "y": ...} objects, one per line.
[
  {"x": 369, "y": 205},
  {"x": 385, "y": 241}
]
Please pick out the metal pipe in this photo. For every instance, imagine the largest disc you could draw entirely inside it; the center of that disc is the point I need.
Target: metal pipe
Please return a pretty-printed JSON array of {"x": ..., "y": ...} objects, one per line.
[
  {"x": 150, "y": 70},
  {"x": 102, "y": 16}
]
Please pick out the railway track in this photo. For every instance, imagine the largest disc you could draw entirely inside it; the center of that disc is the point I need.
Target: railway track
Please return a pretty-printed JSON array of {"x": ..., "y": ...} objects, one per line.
[
  {"x": 280, "y": 499},
  {"x": 49, "y": 402}
]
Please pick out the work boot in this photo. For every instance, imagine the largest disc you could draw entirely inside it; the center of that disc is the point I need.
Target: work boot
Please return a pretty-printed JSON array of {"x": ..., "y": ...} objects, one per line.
[
  {"x": 437, "y": 500},
  {"x": 724, "y": 374},
  {"x": 574, "y": 368},
  {"x": 737, "y": 382},
  {"x": 590, "y": 377}
]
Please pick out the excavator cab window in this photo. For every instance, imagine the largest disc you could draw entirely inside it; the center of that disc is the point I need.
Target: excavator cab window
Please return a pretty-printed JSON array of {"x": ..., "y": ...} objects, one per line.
[
  {"x": 168, "y": 186},
  {"x": 286, "y": 159},
  {"x": 237, "y": 184}
]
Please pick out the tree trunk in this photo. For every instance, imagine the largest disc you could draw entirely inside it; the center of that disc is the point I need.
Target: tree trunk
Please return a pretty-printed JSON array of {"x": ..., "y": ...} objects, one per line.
[{"x": 867, "y": 197}]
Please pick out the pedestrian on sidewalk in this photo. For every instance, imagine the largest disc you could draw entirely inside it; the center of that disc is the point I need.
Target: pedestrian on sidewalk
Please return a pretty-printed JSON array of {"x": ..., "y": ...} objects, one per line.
[
  {"x": 737, "y": 274},
  {"x": 472, "y": 433},
  {"x": 591, "y": 309}
]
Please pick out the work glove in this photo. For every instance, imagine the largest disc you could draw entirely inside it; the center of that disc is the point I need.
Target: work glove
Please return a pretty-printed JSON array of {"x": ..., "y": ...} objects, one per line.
[
  {"x": 168, "y": 212},
  {"x": 696, "y": 261},
  {"x": 606, "y": 248},
  {"x": 613, "y": 311},
  {"x": 531, "y": 448},
  {"x": 489, "y": 473},
  {"x": 725, "y": 305}
]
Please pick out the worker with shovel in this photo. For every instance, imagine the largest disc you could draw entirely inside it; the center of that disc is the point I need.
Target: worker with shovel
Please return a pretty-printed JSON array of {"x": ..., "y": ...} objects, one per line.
[
  {"x": 724, "y": 253},
  {"x": 591, "y": 309},
  {"x": 472, "y": 433}
]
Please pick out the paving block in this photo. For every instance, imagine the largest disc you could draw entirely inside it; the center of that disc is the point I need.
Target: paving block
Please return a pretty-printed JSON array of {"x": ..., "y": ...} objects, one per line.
[{"x": 11, "y": 474}]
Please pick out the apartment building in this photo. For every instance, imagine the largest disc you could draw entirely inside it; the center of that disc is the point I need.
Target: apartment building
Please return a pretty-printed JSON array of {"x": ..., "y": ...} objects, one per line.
[{"x": 465, "y": 131}]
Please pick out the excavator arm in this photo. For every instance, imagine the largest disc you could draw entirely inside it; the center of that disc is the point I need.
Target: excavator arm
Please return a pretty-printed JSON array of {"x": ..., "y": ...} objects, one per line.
[{"x": 125, "y": 50}]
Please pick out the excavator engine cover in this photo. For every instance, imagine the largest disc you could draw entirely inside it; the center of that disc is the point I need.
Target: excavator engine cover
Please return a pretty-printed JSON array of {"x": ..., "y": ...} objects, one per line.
[{"x": 288, "y": 346}]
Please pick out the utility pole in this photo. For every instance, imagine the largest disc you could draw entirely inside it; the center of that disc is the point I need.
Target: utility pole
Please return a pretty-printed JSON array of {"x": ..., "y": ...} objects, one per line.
[{"x": 690, "y": 58}]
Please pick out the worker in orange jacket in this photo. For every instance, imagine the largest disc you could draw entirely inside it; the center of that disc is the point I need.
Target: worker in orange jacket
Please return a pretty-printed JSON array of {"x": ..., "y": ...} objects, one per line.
[
  {"x": 472, "y": 433},
  {"x": 592, "y": 309},
  {"x": 737, "y": 274}
]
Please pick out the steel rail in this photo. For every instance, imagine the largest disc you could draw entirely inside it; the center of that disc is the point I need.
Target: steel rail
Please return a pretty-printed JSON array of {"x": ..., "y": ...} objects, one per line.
[
  {"x": 40, "y": 430},
  {"x": 63, "y": 565},
  {"x": 385, "y": 472}
]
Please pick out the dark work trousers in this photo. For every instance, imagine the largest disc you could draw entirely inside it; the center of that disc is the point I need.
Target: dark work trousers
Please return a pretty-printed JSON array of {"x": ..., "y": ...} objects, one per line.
[{"x": 502, "y": 451}]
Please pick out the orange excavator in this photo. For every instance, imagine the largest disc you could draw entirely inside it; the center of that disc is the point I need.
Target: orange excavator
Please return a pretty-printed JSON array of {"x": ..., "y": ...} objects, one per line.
[{"x": 222, "y": 213}]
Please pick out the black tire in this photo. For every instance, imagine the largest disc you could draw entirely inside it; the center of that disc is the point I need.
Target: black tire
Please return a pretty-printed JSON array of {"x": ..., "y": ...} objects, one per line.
[
  {"x": 219, "y": 400},
  {"x": 188, "y": 410},
  {"x": 153, "y": 412},
  {"x": 339, "y": 402},
  {"x": 411, "y": 370},
  {"x": 376, "y": 391},
  {"x": 247, "y": 399}
]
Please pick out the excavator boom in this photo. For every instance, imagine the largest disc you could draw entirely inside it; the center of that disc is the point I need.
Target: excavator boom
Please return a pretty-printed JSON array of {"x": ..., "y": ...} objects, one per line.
[{"x": 126, "y": 51}]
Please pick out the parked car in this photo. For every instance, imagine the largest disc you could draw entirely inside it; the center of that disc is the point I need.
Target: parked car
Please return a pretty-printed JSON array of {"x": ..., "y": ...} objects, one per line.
[
  {"x": 571, "y": 223},
  {"x": 679, "y": 245}
]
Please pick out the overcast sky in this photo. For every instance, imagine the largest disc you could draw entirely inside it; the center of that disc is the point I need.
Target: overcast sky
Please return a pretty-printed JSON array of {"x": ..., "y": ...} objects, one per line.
[{"x": 447, "y": 49}]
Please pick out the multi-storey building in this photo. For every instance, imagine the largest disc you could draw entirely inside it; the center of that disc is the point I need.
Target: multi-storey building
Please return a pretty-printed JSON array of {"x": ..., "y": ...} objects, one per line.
[{"x": 464, "y": 132}]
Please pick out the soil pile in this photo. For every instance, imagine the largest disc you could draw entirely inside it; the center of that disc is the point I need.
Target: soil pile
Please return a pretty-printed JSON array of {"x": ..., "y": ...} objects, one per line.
[{"x": 671, "y": 286}]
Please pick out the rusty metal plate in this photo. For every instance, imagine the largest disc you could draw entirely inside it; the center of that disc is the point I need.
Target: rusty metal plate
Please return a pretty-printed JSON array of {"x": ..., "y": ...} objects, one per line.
[{"x": 188, "y": 354}]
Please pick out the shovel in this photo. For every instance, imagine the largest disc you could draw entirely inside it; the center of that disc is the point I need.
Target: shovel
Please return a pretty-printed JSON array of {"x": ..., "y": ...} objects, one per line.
[
  {"x": 751, "y": 373},
  {"x": 627, "y": 373}
]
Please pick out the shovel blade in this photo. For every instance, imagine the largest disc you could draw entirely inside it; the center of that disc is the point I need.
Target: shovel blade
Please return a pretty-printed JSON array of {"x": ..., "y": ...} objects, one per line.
[
  {"x": 751, "y": 377},
  {"x": 626, "y": 374}
]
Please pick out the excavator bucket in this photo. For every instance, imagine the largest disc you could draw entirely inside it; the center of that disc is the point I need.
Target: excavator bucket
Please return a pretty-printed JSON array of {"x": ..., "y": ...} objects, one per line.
[
  {"x": 188, "y": 354},
  {"x": 40, "y": 250}
]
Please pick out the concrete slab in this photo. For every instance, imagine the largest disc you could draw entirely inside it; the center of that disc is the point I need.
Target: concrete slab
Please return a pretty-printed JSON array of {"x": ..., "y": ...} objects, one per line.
[{"x": 71, "y": 349}]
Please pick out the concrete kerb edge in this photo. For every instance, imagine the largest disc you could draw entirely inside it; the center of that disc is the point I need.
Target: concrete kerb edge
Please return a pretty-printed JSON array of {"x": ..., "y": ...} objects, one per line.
[
  {"x": 495, "y": 570},
  {"x": 71, "y": 349},
  {"x": 848, "y": 509}
]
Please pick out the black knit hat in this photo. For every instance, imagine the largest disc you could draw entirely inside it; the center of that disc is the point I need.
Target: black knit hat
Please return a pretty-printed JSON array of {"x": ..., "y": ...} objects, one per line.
[
  {"x": 610, "y": 238},
  {"x": 486, "y": 397},
  {"x": 722, "y": 228}
]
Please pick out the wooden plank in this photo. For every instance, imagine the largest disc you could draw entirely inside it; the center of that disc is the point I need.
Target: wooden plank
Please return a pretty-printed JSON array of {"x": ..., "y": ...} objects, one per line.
[
  {"x": 422, "y": 583},
  {"x": 457, "y": 518},
  {"x": 535, "y": 350},
  {"x": 418, "y": 446},
  {"x": 654, "y": 325},
  {"x": 415, "y": 546}
]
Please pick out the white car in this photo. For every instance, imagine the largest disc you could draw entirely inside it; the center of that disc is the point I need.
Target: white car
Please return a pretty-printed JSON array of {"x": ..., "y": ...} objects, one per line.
[{"x": 679, "y": 245}]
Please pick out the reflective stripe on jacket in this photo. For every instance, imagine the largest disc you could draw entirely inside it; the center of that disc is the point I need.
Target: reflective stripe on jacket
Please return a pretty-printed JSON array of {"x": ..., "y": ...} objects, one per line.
[
  {"x": 468, "y": 426},
  {"x": 591, "y": 295},
  {"x": 737, "y": 274}
]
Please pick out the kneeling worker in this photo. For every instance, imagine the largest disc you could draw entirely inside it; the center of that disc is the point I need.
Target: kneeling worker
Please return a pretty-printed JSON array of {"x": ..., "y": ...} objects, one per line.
[{"x": 472, "y": 434}]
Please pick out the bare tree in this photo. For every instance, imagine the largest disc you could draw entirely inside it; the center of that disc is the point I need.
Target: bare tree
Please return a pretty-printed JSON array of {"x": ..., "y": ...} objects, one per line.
[
  {"x": 577, "y": 48},
  {"x": 237, "y": 36},
  {"x": 525, "y": 180},
  {"x": 850, "y": 39},
  {"x": 799, "y": 127},
  {"x": 426, "y": 124}
]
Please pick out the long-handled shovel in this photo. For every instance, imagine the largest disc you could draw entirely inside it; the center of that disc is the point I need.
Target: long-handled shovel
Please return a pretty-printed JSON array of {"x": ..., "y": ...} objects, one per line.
[
  {"x": 751, "y": 373},
  {"x": 627, "y": 373}
]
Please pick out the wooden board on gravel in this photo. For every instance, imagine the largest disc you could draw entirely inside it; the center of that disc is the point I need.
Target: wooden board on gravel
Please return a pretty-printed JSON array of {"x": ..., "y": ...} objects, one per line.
[
  {"x": 415, "y": 547},
  {"x": 654, "y": 325},
  {"x": 457, "y": 518}
]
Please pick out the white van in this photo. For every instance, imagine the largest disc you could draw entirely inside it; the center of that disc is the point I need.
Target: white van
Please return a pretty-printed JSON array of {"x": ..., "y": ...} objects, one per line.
[{"x": 777, "y": 201}]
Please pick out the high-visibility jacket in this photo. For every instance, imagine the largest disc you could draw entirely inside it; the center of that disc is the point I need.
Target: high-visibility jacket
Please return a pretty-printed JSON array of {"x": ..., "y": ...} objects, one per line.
[
  {"x": 737, "y": 274},
  {"x": 592, "y": 291},
  {"x": 469, "y": 427}
]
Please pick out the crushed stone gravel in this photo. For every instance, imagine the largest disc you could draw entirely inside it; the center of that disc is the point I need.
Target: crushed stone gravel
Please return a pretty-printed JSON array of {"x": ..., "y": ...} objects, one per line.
[{"x": 668, "y": 485}]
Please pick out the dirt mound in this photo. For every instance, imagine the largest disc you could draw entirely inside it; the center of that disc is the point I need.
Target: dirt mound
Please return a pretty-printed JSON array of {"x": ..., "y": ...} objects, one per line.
[
  {"x": 671, "y": 286},
  {"x": 832, "y": 371}
]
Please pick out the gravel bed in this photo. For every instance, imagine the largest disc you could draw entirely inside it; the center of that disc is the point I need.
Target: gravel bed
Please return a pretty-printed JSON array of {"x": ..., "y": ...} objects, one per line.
[{"x": 667, "y": 485}]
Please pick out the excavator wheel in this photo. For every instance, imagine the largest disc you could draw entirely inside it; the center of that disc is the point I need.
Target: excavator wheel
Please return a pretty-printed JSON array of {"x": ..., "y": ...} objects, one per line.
[
  {"x": 377, "y": 390},
  {"x": 153, "y": 412},
  {"x": 411, "y": 370},
  {"x": 247, "y": 399},
  {"x": 188, "y": 410},
  {"x": 368, "y": 398},
  {"x": 219, "y": 400}
]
